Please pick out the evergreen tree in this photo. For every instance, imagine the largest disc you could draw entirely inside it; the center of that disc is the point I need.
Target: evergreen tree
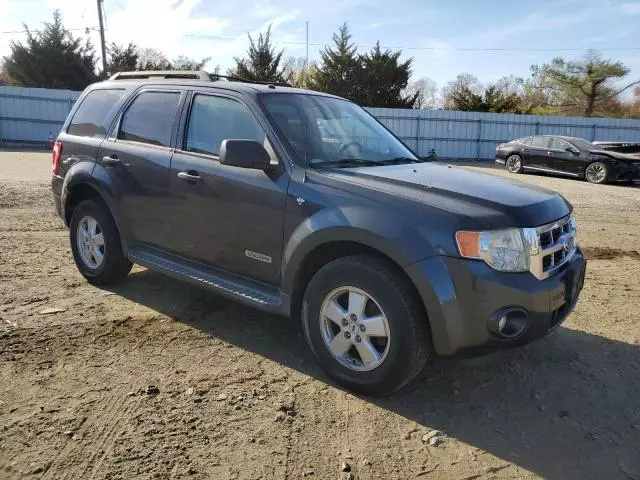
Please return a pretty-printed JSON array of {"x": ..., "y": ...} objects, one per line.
[
  {"x": 51, "y": 58},
  {"x": 339, "y": 70},
  {"x": 122, "y": 59},
  {"x": 262, "y": 64},
  {"x": 582, "y": 84},
  {"x": 383, "y": 78}
]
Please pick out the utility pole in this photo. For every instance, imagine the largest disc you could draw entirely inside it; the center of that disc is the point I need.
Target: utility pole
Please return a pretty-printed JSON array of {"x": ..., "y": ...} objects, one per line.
[
  {"x": 102, "y": 44},
  {"x": 307, "y": 60}
]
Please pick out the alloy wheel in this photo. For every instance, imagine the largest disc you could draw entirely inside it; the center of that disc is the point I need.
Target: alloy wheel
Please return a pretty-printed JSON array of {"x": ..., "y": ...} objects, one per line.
[
  {"x": 354, "y": 329},
  {"x": 513, "y": 164},
  {"x": 91, "y": 246},
  {"x": 596, "y": 173}
]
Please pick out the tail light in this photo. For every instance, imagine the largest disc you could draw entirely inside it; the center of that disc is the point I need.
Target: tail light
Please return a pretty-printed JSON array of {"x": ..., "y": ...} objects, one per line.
[
  {"x": 57, "y": 151},
  {"x": 499, "y": 146}
]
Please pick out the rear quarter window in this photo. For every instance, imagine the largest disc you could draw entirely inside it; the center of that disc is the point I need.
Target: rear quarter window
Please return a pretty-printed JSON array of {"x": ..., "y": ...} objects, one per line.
[{"x": 92, "y": 114}]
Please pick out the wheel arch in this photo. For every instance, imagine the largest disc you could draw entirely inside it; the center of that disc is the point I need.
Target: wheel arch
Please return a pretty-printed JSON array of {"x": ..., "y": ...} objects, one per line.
[
  {"x": 86, "y": 189},
  {"x": 323, "y": 253}
]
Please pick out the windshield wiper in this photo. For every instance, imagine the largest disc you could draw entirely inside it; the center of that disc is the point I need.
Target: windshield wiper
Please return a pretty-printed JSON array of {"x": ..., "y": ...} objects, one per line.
[
  {"x": 400, "y": 160},
  {"x": 343, "y": 162}
]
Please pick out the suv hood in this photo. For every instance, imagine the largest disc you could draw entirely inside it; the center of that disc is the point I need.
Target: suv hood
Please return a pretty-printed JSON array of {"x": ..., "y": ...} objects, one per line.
[{"x": 467, "y": 192}]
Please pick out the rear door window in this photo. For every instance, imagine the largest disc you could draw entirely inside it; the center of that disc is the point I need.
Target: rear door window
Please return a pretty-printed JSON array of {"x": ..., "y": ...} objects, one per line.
[
  {"x": 94, "y": 111},
  {"x": 540, "y": 142},
  {"x": 214, "y": 119},
  {"x": 150, "y": 118}
]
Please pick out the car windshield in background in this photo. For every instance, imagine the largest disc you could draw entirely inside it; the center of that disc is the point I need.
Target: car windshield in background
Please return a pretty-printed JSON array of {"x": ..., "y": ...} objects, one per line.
[
  {"x": 581, "y": 144},
  {"x": 327, "y": 131}
]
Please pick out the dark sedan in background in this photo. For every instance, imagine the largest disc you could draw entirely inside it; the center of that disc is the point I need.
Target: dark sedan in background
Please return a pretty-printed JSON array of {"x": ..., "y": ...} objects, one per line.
[{"x": 569, "y": 156}]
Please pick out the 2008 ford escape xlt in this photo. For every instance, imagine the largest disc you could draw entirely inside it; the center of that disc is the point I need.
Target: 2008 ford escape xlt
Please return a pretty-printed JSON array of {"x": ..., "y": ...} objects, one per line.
[{"x": 302, "y": 204}]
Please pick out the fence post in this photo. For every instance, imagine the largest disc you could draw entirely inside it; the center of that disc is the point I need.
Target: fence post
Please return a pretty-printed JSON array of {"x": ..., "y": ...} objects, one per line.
[
  {"x": 418, "y": 119},
  {"x": 594, "y": 134},
  {"x": 479, "y": 140},
  {"x": 537, "y": 128}
]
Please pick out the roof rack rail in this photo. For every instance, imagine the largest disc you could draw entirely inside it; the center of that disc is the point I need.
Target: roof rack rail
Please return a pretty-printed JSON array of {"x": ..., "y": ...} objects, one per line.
[
  {"x": 217, "y": 76},
  {"x": 177, "y": 74}
]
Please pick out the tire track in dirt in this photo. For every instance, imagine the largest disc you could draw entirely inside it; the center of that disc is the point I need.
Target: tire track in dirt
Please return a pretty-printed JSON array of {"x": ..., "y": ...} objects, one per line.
[
  {"x": 606, "y": 253},
  {"x": 76, "y": 458}
]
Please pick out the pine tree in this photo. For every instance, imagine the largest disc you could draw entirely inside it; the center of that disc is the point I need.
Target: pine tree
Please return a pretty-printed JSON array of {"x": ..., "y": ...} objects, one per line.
[
  {"x": 51, "y": 58},
  {"x": 122, "y": 59},
  {"x": 339, "y": 68},
  {"x": 383, "y": 77},
  {"x": 262, "y": 64}
]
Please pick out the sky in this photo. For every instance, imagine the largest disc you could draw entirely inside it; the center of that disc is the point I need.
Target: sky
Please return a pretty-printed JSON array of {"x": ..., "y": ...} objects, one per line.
[{"x": 488, "y": 38}]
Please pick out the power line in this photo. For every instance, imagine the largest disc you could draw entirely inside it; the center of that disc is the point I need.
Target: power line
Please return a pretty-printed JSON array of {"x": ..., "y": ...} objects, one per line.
[
  {"x": 434, "y": 49},
  {"x": 40, "y": 31}
]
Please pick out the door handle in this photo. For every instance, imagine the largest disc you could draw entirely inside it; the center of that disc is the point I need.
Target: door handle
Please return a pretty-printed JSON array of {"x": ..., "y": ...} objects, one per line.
[
  {"x": 189, "y": 177},
  {"x": 525, "y": 150},
  {"x": 111, "y": 161}
]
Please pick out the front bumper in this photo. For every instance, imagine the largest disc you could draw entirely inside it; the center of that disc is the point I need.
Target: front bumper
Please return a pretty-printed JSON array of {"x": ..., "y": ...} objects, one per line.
[{"x": 462, "y": 296}]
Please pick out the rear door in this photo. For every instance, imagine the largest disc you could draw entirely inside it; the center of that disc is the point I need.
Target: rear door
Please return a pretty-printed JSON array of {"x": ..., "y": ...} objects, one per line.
[
  {"x": 538, "y": 149},
  {"x": 137, "y": 158},
  {"x": 228, "y": 217}
]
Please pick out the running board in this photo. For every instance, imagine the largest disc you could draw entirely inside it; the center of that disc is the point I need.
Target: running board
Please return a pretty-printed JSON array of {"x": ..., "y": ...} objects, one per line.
[{"x": 246, "y": 291}]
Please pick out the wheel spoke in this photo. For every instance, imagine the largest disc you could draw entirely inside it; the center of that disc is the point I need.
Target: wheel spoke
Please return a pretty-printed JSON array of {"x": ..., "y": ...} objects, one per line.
[
  {"x": 97, "y": 255},
  {"x": 367, "y": 351},
  {"x": 375, "y": 326},
  {"x": 339, "y": 345},
  {"x": 357, "y": 303},
  {"x": 92, "y": 225},
  {"x": 335, "y": 312},
  {"x": 98, "y": 240}
]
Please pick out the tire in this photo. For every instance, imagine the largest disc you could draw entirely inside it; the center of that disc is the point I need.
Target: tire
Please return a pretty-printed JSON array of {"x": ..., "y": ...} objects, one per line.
[
  {"x": 514, "y": 164},
  {"x": 408, "y": 342},
  {"x": 597, "y": 172},
  {"x": 114, "y": 266}
]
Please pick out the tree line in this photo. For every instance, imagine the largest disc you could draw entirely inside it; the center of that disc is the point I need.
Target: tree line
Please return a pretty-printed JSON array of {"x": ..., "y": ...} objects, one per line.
[{"x": 590, "y": 86}]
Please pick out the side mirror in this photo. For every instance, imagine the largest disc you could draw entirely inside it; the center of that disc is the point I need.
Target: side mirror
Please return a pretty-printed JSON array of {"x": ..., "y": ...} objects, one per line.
[
  {"x": 244, "y": 154},
  {"x": 572, "y": 150}
]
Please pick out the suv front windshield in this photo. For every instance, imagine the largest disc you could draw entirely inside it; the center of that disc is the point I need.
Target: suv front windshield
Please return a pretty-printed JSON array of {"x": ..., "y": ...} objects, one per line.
[{"x": 331, "y": 131}]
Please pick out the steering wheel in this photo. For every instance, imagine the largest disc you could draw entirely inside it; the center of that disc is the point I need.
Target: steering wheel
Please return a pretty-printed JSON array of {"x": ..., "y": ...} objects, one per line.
[{"x": 344, "y": 147}]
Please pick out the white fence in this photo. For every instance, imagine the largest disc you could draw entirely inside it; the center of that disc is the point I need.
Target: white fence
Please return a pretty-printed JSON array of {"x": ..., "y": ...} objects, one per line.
[
  {"x": 29, "y": 115},
  {"x": 474, "y": 135}
]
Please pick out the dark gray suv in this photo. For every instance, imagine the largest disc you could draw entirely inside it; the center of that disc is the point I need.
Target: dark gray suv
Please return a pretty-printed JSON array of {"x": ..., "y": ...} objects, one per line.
[{"x": 302, "y": 204}]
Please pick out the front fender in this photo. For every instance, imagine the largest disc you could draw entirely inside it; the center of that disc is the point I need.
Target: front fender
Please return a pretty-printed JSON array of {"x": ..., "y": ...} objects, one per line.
[{"x": 375, "y": 229}]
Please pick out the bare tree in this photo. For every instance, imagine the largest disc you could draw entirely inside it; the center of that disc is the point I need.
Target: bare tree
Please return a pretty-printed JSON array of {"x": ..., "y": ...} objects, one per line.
[{"x": 426, "y": 92}]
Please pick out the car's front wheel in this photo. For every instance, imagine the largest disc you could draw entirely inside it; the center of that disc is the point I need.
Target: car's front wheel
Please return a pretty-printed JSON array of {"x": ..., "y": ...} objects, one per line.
[
  {"x": 597, "y": 172},
  {"x": 365, "y": 325},
  {"x": 514, "y": 164},
  {"x": 95, "y": 244}
]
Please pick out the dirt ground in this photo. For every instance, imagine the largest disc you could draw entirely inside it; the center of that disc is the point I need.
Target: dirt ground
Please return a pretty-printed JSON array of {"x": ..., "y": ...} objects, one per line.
[{"x": 157, "y": 379}]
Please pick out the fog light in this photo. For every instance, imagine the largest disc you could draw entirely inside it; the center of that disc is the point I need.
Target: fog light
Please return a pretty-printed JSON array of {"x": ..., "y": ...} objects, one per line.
[{"x": 508, "y": 323}]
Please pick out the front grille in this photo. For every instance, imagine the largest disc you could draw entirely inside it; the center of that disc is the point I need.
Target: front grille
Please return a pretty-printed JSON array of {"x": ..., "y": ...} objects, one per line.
[{"x": 551, "y": 246}]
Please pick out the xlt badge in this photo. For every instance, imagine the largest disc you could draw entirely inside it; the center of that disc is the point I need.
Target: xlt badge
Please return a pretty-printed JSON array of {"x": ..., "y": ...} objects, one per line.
[{"x": 257, "y": 256}]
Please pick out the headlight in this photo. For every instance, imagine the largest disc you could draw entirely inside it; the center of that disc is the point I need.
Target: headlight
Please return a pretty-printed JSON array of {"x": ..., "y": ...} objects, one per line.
[{"x": 503, "y": 250}]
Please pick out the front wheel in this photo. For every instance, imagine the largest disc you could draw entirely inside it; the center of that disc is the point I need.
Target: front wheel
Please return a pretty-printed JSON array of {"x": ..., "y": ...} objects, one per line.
[
  {"x": 597, "y": 172},
  {"x": 514, "y": 164},
  {"x": 365, "y": 326}
]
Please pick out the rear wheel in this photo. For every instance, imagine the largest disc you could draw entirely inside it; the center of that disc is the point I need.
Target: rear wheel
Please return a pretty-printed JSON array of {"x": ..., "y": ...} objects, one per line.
[
  {"x": 597, "y": 172},
  {"x": 514, "y": 164},
  {"x": 95, "y": 244},
  {"x": 365, "y": 325}
]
